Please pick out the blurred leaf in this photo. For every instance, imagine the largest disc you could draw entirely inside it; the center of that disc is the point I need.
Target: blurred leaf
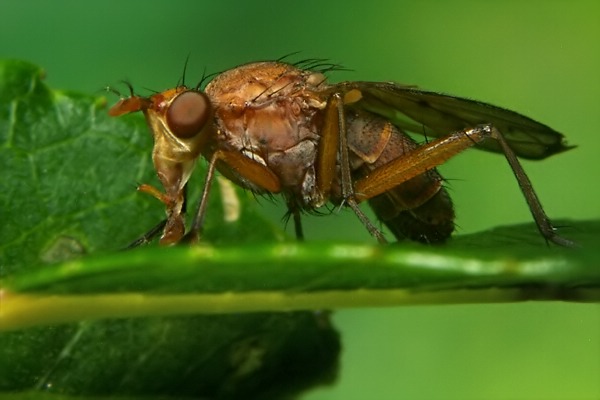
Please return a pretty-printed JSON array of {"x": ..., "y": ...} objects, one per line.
[
  {"x": 71, "y": 192},
  {"x": 249, "y": 355}
]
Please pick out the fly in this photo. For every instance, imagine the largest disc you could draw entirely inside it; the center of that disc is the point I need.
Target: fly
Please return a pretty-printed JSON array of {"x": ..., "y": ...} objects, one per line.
[{"x": 274, "y": 127}]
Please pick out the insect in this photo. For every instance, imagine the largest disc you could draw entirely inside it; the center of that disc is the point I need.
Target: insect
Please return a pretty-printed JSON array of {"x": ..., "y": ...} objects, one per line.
[{"x": 274, "y": 127}]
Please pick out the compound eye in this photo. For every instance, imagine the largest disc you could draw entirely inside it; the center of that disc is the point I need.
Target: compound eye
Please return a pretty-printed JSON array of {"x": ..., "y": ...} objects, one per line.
[{"x": 188, "y": 114}]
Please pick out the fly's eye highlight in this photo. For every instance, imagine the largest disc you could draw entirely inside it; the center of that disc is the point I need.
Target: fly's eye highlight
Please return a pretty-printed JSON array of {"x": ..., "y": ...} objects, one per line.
[{"x": 188, "y": 113}]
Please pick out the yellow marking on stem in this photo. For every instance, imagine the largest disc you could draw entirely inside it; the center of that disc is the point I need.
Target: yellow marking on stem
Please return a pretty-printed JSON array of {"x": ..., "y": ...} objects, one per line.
[{"x": 20, "y": 311}]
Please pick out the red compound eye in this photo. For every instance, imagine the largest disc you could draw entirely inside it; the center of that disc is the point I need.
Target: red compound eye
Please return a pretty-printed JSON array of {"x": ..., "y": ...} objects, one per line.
[{"x": 188, "y": 114}]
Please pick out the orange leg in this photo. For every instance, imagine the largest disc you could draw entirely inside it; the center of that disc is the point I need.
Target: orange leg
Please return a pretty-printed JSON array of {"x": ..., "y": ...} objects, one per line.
[
  {"x": 329, "y": 145},
  {"x": 439, "y": 151},
  {"x": 158, "y": 228},
  {"x": 334, "y": 140},
  {"x": 154, "y": 192},
  {"x": 173, "y": 226}
]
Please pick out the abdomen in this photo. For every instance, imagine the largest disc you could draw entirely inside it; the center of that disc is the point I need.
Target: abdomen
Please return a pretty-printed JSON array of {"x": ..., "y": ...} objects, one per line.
[{"x": 419, "y": 209}]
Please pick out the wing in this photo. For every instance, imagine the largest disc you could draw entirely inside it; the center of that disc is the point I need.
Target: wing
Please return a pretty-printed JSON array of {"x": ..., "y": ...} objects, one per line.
[{"x": 435, "y": 114}]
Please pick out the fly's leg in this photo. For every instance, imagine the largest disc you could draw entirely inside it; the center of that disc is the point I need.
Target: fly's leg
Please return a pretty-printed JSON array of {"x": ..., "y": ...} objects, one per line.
[
  {"x": 418, "y": 161},
  {"x": 437, "y": 152},
  {"x": 148, "y": 236},
  {"x": 542, "y": 221},
  {"x": 335, "y": 139},
  {"x": 193, "y": 236},
  {"x": 171, "y": 227},
  {"x": 247, "y": 169},
  {"x": 298, "y": 225},
  {"x": 294, "y": 212}
]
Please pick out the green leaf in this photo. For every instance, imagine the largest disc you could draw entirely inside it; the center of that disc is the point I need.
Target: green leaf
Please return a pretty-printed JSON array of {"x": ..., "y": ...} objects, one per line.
[
  {"x": 73, "y": 173},
  {"x": 83, "y": 319},
  {"x": 284, "y": 277}
]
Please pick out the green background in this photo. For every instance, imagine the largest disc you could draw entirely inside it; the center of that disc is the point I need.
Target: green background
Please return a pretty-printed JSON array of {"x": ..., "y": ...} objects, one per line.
[{"x": 539, "y": 58}]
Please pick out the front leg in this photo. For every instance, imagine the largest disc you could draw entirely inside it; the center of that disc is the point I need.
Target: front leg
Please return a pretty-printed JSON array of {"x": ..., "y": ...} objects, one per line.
[
  {"x": 240, "y": 165},
  {"x": 173, "y": 226}
]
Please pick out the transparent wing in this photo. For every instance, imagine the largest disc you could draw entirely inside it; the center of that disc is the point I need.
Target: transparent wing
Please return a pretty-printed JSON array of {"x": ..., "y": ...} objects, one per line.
[{"x": 435, "y": 114}]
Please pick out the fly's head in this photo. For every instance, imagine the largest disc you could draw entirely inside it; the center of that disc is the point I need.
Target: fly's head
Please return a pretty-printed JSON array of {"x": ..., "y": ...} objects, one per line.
[{"x": 181, "y": 121}]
